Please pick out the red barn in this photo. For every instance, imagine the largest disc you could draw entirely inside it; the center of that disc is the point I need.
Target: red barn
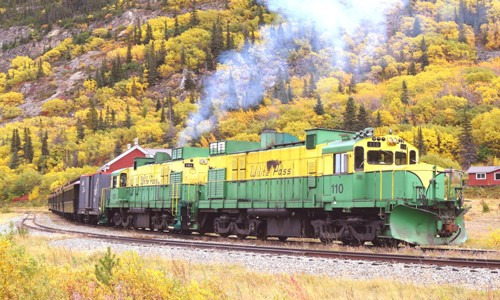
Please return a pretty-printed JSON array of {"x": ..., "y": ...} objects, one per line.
[
  {"x": 126, "y": 159},
  {"x": 484, "y": 176}
]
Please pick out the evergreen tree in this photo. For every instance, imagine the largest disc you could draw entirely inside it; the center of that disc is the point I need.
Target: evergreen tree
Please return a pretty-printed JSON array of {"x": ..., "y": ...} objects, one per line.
[
  {"x": 28, "y": 146},
  {"x": 151, "y": 65},
  {"x": 80, "y": 131},
  {"x": 318, "y": 108},
  {"x": 118, "y": 148},
  {"x": 340, "y": 89},
  {"x": 352, "y": 85},
  {"x": 92, "y": 117},
  {"x": 412, "y": 70},
  {"x": 162, "y": 114},
  {"x": 424, "y": 59},
  {"x": 113, "y": 119},
  {"x": 312, "y": 85},
  {"x": 209, "y": 61},
  {"x": 165, "y": 31},
  {"x": 128, "y": 118},
  {"x": 193, "y": 17},
  {"x": 134, "y": 88},
  {"x": 45, "y": 152},
  {"x": 188, "y": 83},
  {"x": 217, "y": 38},
  {"x": 104, "y": 71},
  {"x": 176, "y": 25},
  {"x": 289, "y": 93},
  {"x": 14, "y": 150},
  {"x": 39, "y": 73},
  {"x": 229, "y": 39},
  {"x": 405, "y": 96},
  {"x": 149, "y": 34},
  {"x": 100, "y": 123},
  {"x": 139, "y": 34},
  {"x": 417, "y": 30},
  {"x": 461, "y": 33},
  {"x": 421, "y": 142},
  {"x": 183, "y": 56},
  {"x": 305, "y": 88},
  {"x": 350, "y": 115},
  {"x": 378, "y": 121},
  {"x": 363, "y": 120},
  {"x": 128, "y": 58},
  {"x": 468, "y": 149},
  {"x": 158, "y": 104},
  {"x": 161, "y": 54}
]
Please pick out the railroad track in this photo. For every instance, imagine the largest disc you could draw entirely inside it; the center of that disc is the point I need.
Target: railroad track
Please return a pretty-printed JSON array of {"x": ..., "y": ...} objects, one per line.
[
  {"x": 345, "y": 255},
  {"x": 280, "y": 243}
]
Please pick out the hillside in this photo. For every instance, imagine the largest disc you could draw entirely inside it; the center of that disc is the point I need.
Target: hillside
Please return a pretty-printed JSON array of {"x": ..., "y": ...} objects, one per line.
[{"x": 78, "y": 80}]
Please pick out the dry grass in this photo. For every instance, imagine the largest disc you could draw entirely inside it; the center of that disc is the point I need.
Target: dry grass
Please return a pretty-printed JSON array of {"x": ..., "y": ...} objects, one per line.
[
  {"x": 197, "y": 281},
  {"x": 483, "y": 224}
]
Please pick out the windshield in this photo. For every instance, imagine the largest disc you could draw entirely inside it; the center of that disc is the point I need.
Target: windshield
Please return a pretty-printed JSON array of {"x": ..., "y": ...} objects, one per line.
[{"x": 380, "y": 157}]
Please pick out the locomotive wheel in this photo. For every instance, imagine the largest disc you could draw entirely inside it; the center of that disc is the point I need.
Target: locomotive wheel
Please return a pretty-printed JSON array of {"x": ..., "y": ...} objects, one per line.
[
  {"x": 117, "y": 219},
  {"x": 241, "y": 236},
  {"x": 282, "y": 238}
]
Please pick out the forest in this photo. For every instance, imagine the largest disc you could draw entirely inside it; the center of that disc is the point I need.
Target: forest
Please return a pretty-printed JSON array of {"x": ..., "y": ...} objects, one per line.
[{"x": 81, "y": 79}]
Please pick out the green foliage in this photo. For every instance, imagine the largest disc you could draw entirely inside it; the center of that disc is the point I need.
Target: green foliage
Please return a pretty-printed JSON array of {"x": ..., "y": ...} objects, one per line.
[
  {"x": 104, "y": 268},
  {"x": 440, "y": 161}
]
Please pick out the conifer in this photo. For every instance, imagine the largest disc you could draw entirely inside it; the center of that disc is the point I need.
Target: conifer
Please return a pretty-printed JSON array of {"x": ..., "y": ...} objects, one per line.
[
  {"x": 350, "y": 115},
  {"x": 193, "y": 17},
  {"x": 128, "y": 118},
  {"x": 128, "y": 58},
  {"x": 378, "y": 121},
  {"x": 318, "y": 108},
  {"x": 149, "y": 34},
  {"x": 28, "y": 146},
  {"x": 405, "y": 97},
  {"x": 363, "y": 120},
  {"x": 468, "y": 149},
  {"x": 80, "y": 131},
  {"x": 421, "y": 142}
]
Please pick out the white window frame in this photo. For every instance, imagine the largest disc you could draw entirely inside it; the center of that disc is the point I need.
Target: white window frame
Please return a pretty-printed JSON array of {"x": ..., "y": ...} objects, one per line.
[
  {"x": 341, "y": 160},
  {"x": 497, "y": 173},
  {"x": 482, "y": 178}
]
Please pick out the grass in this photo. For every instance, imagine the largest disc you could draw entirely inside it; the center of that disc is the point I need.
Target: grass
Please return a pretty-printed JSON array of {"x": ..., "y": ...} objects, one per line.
[
  {"x": 49, "y": 272},
  {"x": 483, "y": 224}
]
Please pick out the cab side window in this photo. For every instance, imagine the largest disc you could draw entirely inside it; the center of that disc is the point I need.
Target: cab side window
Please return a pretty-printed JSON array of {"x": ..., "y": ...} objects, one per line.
[
  {"x": 359, "y": 158},
  {"x": 413, "y": 157},
  {"x": 340, "y": 163},
  {"x": 123, "y": 180}
]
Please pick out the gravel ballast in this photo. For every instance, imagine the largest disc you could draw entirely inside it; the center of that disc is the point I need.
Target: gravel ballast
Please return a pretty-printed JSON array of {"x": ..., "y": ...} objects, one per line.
[{"x": 483, "y": 279}]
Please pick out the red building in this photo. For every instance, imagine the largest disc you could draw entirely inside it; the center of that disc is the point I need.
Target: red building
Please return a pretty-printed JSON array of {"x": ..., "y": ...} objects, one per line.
[
  {"x": 126, "y": 159},
  {"x": 484, "y": 176}
]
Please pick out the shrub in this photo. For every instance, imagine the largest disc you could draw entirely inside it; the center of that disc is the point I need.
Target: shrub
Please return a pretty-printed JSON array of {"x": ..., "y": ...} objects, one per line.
[{"x": 485, "y": 206}]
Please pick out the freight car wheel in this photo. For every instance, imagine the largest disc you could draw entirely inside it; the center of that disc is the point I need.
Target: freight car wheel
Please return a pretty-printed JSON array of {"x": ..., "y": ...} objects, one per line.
[
  {"x": 282, "y": 238},
  {"x": 241, "y": 236}
]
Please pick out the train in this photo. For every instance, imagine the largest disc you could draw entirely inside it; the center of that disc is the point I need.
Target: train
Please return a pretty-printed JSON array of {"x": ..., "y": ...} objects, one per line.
[{"x": 336, "y": 185}]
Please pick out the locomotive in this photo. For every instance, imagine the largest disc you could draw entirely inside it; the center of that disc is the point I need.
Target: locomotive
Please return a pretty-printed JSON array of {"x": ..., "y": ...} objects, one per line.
[{"x": 354, "y": 187}]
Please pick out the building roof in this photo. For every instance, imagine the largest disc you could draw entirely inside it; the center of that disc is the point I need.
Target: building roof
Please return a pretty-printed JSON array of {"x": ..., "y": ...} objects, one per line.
[
  {"x": 152, "y": 152},
  {"x": 483, "y": 169},
  {"x": 105, "y": 167}
]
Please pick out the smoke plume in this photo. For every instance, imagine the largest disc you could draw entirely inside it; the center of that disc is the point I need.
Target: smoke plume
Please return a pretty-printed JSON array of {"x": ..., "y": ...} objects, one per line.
[{"x": 244, "y": 76}]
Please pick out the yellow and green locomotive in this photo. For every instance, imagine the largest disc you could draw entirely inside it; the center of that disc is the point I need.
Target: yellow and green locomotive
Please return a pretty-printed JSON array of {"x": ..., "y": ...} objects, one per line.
[{"x": 335, "y": 185}]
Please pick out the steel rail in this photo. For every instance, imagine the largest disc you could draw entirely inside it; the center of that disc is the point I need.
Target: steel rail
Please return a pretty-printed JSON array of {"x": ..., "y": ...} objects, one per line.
[{"x": 344, "y": 255}]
